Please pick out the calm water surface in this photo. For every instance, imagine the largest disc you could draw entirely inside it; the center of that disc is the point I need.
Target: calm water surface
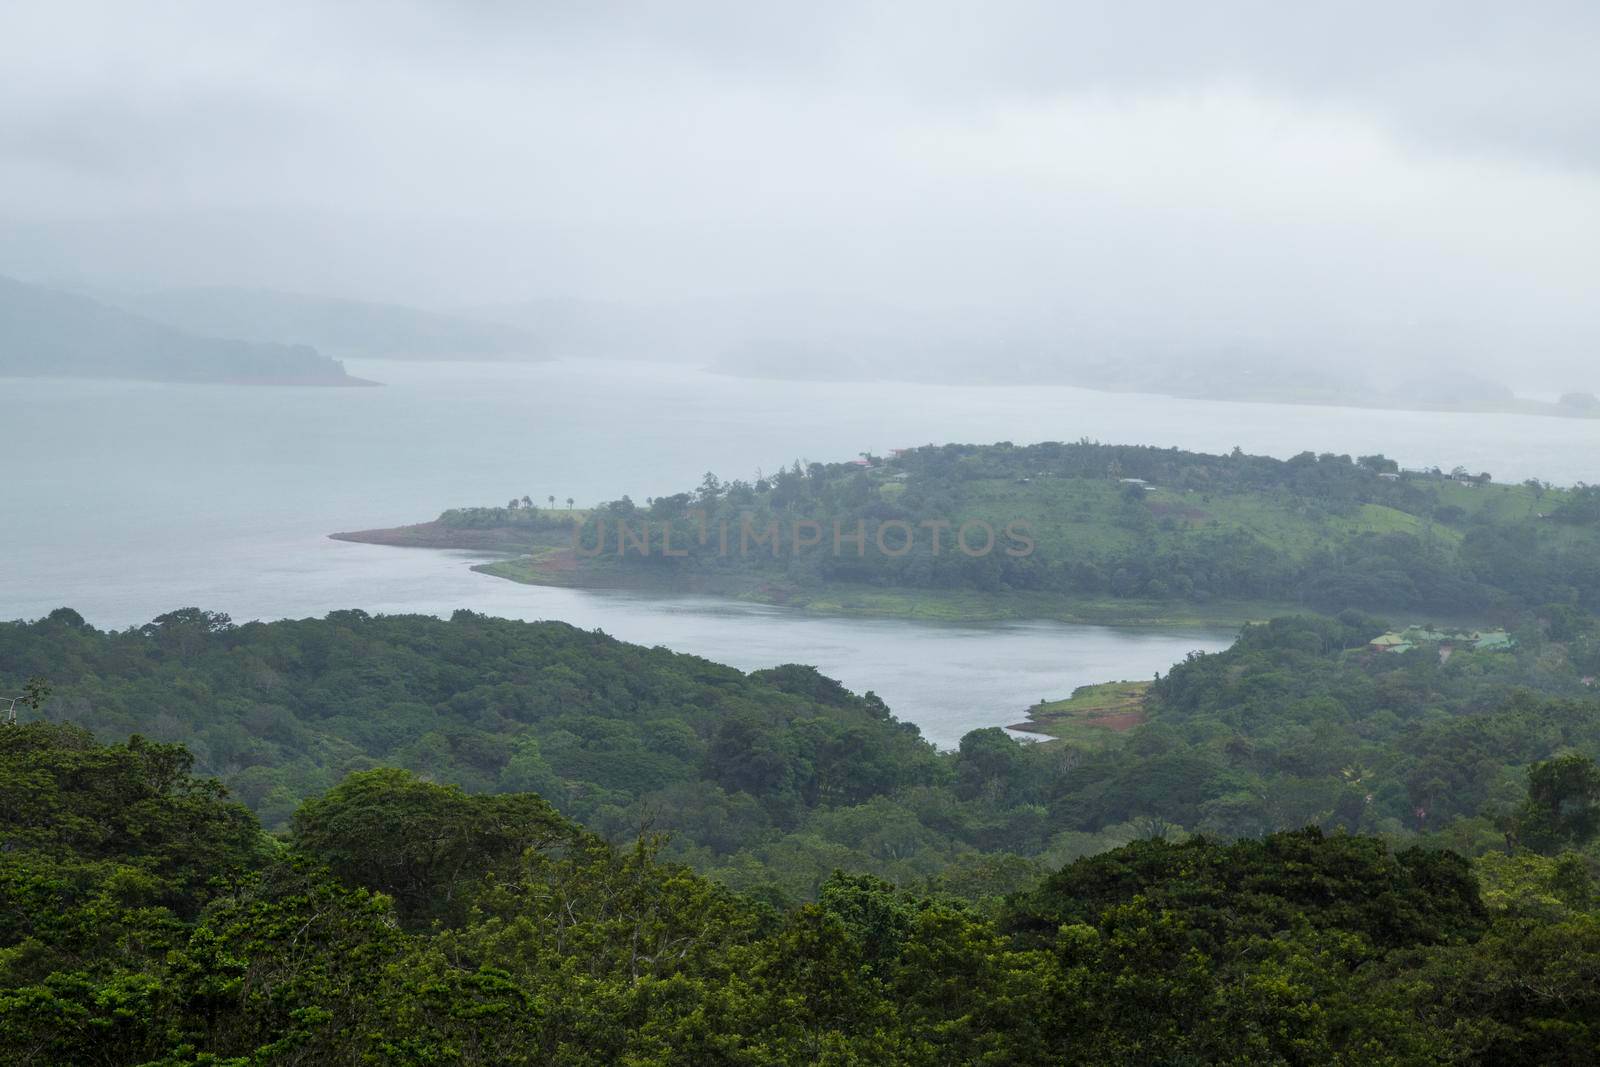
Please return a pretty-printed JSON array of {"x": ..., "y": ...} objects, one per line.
[{"x": 126, "y": 499}]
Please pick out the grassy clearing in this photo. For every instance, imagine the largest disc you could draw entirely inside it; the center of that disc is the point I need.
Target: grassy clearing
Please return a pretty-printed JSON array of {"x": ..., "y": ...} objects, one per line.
[{"x": 1091, "y": 716}]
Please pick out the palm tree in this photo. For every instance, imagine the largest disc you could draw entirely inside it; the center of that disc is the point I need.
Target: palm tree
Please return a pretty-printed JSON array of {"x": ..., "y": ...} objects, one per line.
[
  {"x": 514, "y": 504},
  {"x": 527, "y": 501},
  {"x": 552, "y": 499},
  {"x": 569, "y": 503}
]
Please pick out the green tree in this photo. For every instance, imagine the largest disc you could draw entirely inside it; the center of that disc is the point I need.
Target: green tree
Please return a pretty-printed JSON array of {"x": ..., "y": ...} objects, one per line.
[
  {"x": 427, "y": 846},
  {"x": 1563, "y": 805}
]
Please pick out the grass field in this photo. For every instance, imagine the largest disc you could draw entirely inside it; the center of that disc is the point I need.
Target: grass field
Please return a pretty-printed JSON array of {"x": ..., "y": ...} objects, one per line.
[{"x": 1091, "y": 716}]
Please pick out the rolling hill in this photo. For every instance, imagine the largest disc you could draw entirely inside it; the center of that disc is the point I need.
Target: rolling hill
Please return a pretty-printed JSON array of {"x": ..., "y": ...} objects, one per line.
[{"x": 50, "y": 333}]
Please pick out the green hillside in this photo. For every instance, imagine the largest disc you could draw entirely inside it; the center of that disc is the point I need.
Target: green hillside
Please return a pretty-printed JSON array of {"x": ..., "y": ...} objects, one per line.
[{"x": 1081, "y": 531}]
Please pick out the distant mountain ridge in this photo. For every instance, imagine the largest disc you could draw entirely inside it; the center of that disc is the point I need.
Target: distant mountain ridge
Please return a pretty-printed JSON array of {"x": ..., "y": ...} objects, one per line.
[
  {"x": 50, "y": 333},
  {"x": 604, "y": 329},
  {"x": 335, "y": 324}
]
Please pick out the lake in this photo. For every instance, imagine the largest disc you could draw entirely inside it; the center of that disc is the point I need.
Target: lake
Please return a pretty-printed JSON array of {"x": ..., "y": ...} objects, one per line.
[{"x": 127, "y": 499}]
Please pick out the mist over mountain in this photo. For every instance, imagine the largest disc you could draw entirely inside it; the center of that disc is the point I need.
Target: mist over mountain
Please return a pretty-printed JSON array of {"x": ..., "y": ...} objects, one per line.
[
  {"x": 50, "y": 333},
  {"x": 1423, "y": 369},
  {"x": 580, "y": 327},
  {"x": 333, "y": 324}
]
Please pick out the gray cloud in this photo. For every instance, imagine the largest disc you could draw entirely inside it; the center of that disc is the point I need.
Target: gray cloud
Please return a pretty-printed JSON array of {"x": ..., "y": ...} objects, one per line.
[{"x": 1313, "y": 177}]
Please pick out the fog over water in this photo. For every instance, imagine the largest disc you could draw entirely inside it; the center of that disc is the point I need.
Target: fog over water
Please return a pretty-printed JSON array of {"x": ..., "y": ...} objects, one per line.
[
  {"x": 124, "y": 500},
  {"x": 1401, "y": 189}
]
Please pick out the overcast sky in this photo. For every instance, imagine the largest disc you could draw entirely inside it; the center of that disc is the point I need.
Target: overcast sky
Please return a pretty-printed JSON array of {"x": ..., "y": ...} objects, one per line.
[{"x": 1275, "y": 169}]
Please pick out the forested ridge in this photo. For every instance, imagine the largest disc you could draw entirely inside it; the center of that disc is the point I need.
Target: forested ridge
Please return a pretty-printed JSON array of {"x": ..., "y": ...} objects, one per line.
[
  {"x": 1101, "y": 521},
  {"x": 770, "y": 780}
]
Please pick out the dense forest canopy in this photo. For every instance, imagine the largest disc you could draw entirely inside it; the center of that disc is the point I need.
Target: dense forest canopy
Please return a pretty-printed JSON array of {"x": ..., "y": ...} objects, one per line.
[
  {"x": 146, "y": 919},
  {"x": 772, "y": 779},
  {"x": 1324, "y": 531}
]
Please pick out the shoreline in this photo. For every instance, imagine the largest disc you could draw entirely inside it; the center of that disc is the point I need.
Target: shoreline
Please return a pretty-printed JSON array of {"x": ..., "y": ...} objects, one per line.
[
  {"x": 1092, "y": 715},
  {"x": 923, "y": 605},
  {"x": 552, "y": 563}
]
